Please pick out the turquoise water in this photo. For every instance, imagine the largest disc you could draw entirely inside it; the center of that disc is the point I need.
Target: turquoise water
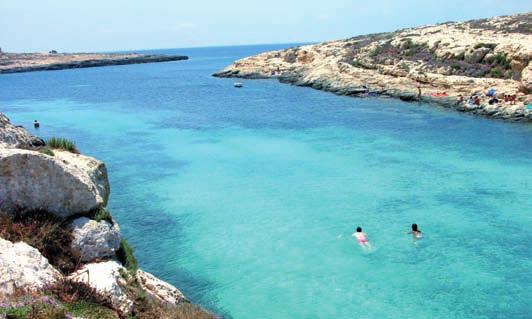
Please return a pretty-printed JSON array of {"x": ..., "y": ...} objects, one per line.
[{"x": 246, "y": 198}]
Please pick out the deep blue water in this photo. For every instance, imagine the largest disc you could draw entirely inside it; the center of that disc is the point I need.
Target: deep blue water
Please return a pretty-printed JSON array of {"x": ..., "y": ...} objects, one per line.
[{"x": 246, "y": 198}]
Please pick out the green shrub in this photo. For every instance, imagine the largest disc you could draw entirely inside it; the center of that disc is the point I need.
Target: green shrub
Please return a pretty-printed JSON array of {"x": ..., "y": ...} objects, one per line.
[
  {"x": 408, "y": 44},
  {"x": 62, "y": 144},
  {"x": 356, "y": 63},
  {"x": 376, "y": 51},
  {"x": 90, "y": 310},
  {"x": 456, "y": 66},
  {"x": 102, "y": 214},
  {"x": 16, "y": 313},
  {"x": 126, "y": 256},
  {"x": 46, "y": 150},
  {"x": 496, "y": 73},
  {"x": 501, "y": 59},
  {"x": 405, "y": 67},
  {"x": 35, "y": 311}
]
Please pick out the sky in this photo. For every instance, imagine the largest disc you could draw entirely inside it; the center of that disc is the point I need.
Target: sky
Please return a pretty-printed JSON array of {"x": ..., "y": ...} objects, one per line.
[{"x": 113, "y": 25}]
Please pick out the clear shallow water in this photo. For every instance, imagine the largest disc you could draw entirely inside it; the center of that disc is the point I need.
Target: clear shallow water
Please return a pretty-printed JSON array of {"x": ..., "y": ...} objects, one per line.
[{"x": 246, "y": 198}]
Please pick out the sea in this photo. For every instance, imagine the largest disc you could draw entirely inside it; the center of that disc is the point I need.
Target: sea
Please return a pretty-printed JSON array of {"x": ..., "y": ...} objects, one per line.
[{"x": 246, "y": 198}]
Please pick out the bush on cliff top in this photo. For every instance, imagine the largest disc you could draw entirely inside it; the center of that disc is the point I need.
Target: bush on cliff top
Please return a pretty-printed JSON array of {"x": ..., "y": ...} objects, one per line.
[
  {"x": 101, "y": 214},
  {"x": 62, "y": 144}
]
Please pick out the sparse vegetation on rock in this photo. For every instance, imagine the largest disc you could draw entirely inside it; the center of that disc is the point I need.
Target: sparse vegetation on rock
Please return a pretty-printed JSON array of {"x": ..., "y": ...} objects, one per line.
[{"x": 449, "y": 60}]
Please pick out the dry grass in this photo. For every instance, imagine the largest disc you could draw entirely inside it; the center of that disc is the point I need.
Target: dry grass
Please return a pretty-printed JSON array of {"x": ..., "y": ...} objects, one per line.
[{"x": 44, "y": 231}]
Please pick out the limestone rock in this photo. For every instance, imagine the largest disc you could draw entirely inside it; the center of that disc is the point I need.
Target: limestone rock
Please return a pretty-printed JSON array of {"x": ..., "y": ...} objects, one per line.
[
  {"x": 526, "y": 77},
  {"x": 64, "y": 184},
  {"x": 159, "y": 289},
  {"x": 451, "y": 57},
  {"x": 23, "y": 267},
  {"x": 106, "y": 279},
  {"x": 14, "y": 136},
  {"x": 94, "y": 240},
  {"x": 475, "y": 56}
]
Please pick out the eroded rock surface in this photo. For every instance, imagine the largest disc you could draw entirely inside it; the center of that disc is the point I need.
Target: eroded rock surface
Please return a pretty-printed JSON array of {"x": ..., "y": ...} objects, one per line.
[
  {"x": 159, "y": 289},
  {"x": 106, "y": 279},
  {"x": 444, "y": 61},
  {"x": 23, "y": 267},
  {"x": 64, "y": 184},
  {"x": 94, "y": 240}
]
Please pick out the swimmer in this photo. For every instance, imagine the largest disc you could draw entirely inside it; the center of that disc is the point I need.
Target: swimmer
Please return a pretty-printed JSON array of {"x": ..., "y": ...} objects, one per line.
[
  {"x": 362, "y": 237},
  {"x": 416, "y": 233},
  {"x": 36, "y": 124}
]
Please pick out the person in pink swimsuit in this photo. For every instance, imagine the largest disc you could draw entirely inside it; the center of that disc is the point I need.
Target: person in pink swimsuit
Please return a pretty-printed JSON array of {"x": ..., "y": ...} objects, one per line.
[{"x": 362, "y": 237}]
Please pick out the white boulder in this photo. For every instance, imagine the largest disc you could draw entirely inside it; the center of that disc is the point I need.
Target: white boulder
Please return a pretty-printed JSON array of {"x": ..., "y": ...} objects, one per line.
[
  {"x": 64, "y": 184},
  {"x": 158, "y": 289},
  {"x": 106, "y": 279},
  {"x": 94, "y": 240},
  {"x": 23, "y": 267}
]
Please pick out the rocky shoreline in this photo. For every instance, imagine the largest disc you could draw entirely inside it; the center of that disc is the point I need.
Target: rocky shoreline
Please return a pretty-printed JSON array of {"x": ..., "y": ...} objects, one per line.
[
  {"x": 61, "y": 252},
  {"x": 446, "y": 64},
  {"x": 29, "y": 62}
]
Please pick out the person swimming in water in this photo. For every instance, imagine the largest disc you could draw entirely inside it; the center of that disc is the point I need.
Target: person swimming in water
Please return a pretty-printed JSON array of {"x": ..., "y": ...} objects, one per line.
[
  {"x": 416, "y": 233},
  {"x": 36, "y": 124},
  {"x": 362, "y": 237}
]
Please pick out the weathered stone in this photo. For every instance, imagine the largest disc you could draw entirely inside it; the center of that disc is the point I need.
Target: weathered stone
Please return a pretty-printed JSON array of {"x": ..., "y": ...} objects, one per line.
[
  {"x": 107, "y": 280},
  {"x": 526, "y": 78},
  {"x": 64, "y": 184},
  {"x": 15, "y": 136},
  {"x": 23, "y": 267},
  {"x": 517, "y": 67},
  {"x": 94, "y": 240},
  {"x": 159, "y": 289},
  {"x": 476, "y": 55}
]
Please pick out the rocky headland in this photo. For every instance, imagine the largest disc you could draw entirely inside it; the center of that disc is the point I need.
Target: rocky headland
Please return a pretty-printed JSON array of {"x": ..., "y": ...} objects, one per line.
[
  {"x": 449, "y": 64},
  {"x": 28, "y": 62},
  {"x": 61, "y": 252}
]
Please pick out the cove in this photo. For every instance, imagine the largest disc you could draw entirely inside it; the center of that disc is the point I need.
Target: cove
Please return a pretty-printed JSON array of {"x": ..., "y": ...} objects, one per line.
[{"x": 246, "y": 198}]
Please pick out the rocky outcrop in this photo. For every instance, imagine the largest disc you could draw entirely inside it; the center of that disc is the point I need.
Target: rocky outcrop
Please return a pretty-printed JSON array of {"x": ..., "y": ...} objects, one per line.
[
  {"x": 16, "y": 136},
  {"x": 64, "y": 184},
  {"x": 27, "y": 62},
  {"x": 526, "y": 78},
  {"x": 76, "y": 189},
  {"x": 158, "y": 289},
  {"x": 106, "y": 278},
  {"x": 444, "y": 61},
  {"x": 94, "y": 240},
  {"x": 23, "y": 267}
]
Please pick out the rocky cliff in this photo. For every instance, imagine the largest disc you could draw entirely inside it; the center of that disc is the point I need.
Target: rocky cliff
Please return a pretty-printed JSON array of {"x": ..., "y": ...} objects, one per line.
[
  {"x": 61, "y": 252},
  {"x": 445, "y": 64}
]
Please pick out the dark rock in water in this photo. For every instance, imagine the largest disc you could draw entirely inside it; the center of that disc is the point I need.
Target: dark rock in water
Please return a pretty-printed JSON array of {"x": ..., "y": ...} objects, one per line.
[{"x": 408, "y": 97}]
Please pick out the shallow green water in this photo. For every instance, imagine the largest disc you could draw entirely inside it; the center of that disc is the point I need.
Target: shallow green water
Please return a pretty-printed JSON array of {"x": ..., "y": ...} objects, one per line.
[{"x": 246, "y": 199}]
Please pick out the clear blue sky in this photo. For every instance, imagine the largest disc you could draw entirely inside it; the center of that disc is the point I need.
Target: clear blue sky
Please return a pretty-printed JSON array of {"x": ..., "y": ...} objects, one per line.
[{"x": 105, "y": 25}]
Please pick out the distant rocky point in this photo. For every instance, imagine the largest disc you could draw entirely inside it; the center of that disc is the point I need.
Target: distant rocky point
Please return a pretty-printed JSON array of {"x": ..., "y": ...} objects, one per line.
[
  {"x": 27, "y": 62},
  {"x": 445, "y": 64}
]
